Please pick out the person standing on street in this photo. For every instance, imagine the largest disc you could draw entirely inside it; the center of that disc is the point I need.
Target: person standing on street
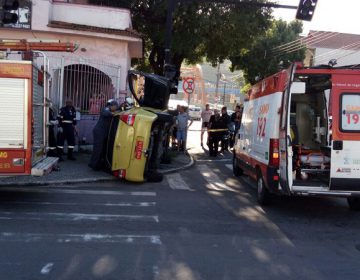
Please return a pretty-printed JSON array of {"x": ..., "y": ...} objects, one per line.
[
  {"x": 215, "y": 123},
  {"x": 100, "y": 134},
  {"x": 236, "y": 121},
  {"x": 205, "y": 117},
  {"x": 67, "y": 128},
  {"x": 225, "y": 118},
  {"x": 182, "y": 120}
]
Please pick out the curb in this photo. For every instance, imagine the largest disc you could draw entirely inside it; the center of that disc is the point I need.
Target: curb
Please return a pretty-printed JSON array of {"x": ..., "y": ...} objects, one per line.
[
  {"x": 90, "y": 180},
  {"x": 186, "y": 166},
  {"x": 58, "y": 182}
]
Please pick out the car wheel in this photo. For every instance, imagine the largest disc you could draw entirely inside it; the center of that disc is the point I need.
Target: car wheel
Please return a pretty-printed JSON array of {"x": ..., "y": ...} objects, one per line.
[
  {"x": 236, "y": 169},
  {"x": 354, "y": 203},
  {"x": 263, "y": 194}
]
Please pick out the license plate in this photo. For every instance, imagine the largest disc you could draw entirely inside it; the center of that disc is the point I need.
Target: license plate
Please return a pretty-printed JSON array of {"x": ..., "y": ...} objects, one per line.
[{"x": 139, "y": 149}]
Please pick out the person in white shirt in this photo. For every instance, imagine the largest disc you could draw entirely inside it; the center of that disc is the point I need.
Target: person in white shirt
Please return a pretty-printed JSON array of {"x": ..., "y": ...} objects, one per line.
[
  {"x": 205, "y": 116},
  {"x": 182, "y": 120}
]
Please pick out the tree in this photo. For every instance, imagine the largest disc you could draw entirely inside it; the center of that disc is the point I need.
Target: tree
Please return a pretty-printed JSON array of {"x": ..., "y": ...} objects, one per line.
[
  {"x": 200, "y": 29},
  {"x": 263, "y": 58}
]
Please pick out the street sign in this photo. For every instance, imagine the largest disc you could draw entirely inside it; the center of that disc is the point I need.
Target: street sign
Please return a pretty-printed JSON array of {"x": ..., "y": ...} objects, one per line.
[{"x": 189, "y": 85}]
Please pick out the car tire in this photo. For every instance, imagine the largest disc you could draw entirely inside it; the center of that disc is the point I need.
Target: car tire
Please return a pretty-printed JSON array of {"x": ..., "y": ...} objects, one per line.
[
  {"x": 263, "y": 194},
  {"x": 236, "y": 169},
  {"x": 354, "y": 203}
]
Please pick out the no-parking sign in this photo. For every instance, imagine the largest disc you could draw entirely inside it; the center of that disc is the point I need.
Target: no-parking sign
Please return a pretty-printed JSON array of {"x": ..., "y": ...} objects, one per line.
[{"x": 189, "y": 85}]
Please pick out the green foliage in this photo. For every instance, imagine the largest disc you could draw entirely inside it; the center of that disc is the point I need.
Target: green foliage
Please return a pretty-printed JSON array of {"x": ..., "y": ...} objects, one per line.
[
  {"x": 262, "y": 59},
  {"x": 200, "y": 29}
]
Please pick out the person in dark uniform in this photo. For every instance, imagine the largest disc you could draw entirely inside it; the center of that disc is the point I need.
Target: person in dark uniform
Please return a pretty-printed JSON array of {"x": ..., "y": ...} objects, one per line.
[
  {"x": 67, "y": 128},
  {"x": 51, "y": 133},
  {"x": 225, "y": 118},
  {"x": 100, "y": 133},
  {"x": 214, "y": 138}
]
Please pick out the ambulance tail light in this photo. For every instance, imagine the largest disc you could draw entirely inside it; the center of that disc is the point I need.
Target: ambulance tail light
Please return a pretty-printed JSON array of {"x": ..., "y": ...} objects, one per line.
[
  {"x": 274, "y": 152},
  {"x": 129, "y": 119}
]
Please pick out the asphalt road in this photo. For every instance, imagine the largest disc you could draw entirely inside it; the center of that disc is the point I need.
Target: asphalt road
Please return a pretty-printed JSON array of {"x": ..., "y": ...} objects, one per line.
[{"x": 200, "y": 223}]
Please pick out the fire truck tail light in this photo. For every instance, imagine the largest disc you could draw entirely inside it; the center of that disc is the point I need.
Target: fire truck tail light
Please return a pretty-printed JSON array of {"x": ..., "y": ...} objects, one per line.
[
  {"x": 129, "y": 119},
  {"x": 18, "y": 162}
]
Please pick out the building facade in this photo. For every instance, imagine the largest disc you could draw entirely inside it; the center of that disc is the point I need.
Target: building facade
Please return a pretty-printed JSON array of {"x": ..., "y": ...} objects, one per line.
[{"x": 97, "y": 70}]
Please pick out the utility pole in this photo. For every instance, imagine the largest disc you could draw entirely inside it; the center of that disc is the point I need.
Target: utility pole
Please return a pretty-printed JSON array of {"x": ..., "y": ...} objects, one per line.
[
  {"x": 218, "y": 74},
  {"x": 224, "y": 93}
]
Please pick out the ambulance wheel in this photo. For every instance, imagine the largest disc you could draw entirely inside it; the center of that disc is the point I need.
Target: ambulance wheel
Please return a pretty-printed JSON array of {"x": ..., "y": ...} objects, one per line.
[
  {"x": 354, "y": 203},
  {"x": 263, "y": 194},
  {"x": 236, "y": 169}
]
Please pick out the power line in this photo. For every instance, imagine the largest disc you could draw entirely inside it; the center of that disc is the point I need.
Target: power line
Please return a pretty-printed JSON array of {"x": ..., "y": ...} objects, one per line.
[{"x": 306, "y": 43}]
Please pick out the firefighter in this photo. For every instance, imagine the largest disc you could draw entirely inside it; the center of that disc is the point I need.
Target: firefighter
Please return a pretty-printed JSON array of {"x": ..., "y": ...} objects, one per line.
[
  {"x": 67, "y": 128},
  {"x": 215, "y": 124},
  {"x": 52, "y": 139},
  {"x": 100, "y": 134}
]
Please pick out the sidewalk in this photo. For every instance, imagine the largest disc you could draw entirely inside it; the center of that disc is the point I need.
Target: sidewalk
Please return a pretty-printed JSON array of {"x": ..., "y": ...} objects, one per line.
[{"x": 72, "y": 172}]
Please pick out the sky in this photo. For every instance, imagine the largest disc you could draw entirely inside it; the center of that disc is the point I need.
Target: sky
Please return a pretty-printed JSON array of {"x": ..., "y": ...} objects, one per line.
[{"x": 330, "y": 15}]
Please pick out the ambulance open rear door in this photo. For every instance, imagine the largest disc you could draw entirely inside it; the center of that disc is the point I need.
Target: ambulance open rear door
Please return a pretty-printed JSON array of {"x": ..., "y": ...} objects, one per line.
[
  {"x": 285, "y": 162},
  {"x": 345, "y": 150}
]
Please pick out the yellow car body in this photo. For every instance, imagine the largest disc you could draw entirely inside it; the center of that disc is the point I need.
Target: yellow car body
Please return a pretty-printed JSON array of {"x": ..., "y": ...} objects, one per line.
[{"x": 131, "y": 147}]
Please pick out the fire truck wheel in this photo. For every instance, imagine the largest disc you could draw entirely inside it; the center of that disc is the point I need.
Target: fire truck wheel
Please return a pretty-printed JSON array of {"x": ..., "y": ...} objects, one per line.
[
  {"x": 354, "y": 203},
  {"x": 236, "y": 169},
  {"x": 263, "y": 194}
]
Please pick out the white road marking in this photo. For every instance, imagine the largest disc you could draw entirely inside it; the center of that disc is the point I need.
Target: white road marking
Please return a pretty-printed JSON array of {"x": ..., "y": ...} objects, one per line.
[
  {"x": 176, "y": 182},
  {"x": 213, "y": 160},
  {"x": 79, "y": 238},
  {"x": 76, "y": 217},
  {"x": 229, "y": 166},
  {"x": 213, "y": 180},
  {"x": 120, "y": 204},
  {"x": 83, "y": 192},
  {"x": 47, "y": 268}
]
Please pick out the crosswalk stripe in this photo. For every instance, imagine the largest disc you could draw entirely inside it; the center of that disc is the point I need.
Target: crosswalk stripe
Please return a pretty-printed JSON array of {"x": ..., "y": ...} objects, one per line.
[
  {"x": 177, "y": 182},
  {"x": 213, "y": 180},
  {"x": 79, "y": 238},
  {"x": 214, "y": 160},
  {"x": 75, "y": 217},
  {"x": 229, "y": 166},
  {"x": 83, "y": 192},
  {"x": 120, "y": 204}
]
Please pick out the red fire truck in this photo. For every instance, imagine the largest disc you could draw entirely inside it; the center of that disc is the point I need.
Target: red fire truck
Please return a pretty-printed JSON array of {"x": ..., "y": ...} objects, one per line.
[{"x": 23, "y": 107}]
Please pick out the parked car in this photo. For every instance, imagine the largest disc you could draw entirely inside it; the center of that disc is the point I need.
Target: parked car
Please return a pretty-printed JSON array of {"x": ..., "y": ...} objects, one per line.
[{"x": 195, "y": 112}]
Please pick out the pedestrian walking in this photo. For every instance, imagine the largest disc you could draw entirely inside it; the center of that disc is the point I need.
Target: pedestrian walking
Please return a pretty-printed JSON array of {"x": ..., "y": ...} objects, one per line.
[
  {"x": 100, "y": 135},
  {"x": 205, "y": 118},
  {"x": 67, "y": 128},
  {"x": 182, "y": 120}
]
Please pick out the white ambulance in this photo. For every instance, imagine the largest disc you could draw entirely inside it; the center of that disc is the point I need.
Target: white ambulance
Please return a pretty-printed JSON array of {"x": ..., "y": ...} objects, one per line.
[{"x": 300, "y": 134}]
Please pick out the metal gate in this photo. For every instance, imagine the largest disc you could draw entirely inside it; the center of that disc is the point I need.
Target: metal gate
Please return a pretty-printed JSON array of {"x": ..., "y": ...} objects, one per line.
[{"x": 88, "y": 83}]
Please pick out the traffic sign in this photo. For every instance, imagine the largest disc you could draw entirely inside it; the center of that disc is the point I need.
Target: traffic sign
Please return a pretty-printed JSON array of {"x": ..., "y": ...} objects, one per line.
[{"x": 189, "y": 85}]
